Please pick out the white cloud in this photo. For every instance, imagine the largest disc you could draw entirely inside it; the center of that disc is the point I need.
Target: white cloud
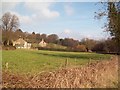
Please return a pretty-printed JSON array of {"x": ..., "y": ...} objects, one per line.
[
  {"x": 95, "y": 36},
  {"x": 6, "y": 6},
  {"x": 67, "y": 31},
  {"x": 56, "y": 0},
  {"x": 39, "y": 0},
  {"x": 23, "y": 19},
  {"x": 68, "y": 9},
  {"x": 9, "y": 6},
  {"x": 42, "y": 10}
]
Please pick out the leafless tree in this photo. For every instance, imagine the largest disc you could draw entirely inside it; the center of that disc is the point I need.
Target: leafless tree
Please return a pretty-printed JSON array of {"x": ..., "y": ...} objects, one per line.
[{"x": 10, "y": 23}]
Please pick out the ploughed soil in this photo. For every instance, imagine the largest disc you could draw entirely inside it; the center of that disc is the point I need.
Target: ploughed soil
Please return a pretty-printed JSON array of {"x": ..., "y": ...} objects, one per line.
[{"x": 100, "y": 74}]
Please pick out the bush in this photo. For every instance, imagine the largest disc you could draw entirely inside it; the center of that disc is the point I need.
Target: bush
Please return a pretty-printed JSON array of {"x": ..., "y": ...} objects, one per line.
[
  {"x": 8, "y": 47},
  {"x": 55, "y": 46},
  {"x": 80, "y": 48},
  {"x": 100, "y": 48}
]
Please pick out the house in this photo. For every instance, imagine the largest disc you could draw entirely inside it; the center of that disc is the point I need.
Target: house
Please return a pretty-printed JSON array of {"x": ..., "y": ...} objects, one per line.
[
  {"x": 42, "y": 43},
  {"x": 20, "y": 43}
]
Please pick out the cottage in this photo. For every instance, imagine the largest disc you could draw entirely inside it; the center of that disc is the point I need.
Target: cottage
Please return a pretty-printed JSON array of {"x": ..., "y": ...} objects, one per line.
[
  {"x": 20, "y": 43},
  {"x": 42, "y": 43}
]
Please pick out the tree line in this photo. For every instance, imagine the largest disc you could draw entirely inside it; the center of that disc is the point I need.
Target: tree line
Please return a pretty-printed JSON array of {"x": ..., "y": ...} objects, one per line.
[{"x": 85, "y": 45}]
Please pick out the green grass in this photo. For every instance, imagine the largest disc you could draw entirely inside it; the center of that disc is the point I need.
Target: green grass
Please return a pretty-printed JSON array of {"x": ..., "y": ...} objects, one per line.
[{"x": 34, "y": 61}]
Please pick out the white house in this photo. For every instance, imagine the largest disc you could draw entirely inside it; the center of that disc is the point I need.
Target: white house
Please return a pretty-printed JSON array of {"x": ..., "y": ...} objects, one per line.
[
  {"x": 20, "y": 43},
  {"x": 42, "y": 43}
]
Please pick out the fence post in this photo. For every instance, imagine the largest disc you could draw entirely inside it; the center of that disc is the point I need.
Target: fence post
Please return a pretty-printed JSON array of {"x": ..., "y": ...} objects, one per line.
[
  {"x": 66, "y": 62},
  {"x": 6, "y": 65}
]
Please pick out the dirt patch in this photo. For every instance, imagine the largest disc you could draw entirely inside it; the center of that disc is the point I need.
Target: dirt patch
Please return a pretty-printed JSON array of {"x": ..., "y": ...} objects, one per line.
[{"x": 100, "y": 74}]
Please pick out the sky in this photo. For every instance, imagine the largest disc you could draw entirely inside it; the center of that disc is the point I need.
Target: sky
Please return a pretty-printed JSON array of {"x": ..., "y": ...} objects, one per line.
[{"x": 66, "y": 19}]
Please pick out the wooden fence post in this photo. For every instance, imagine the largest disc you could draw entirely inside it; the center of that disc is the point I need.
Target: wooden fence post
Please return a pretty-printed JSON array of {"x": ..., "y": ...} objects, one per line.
[{"x": 66, "y": 62}]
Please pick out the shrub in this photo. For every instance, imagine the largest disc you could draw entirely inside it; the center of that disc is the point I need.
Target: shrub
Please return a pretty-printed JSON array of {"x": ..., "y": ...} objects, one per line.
[
  {"x": 81, "y": 48},
  {"x": 8, "y": 47}
]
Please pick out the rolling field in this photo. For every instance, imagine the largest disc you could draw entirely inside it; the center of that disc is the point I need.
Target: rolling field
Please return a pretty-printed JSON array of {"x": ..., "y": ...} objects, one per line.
[{"x": 34, "y": 61}]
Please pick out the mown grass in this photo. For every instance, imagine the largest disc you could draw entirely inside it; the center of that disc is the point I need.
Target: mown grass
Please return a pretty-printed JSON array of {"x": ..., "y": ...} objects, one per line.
[{"x": 34, "y": 61}]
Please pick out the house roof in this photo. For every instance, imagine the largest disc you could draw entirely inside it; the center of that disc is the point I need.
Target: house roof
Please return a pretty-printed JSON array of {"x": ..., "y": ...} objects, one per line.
[
  {"x": 42, "y": 41},
  {"x": 20, "y": 41}
]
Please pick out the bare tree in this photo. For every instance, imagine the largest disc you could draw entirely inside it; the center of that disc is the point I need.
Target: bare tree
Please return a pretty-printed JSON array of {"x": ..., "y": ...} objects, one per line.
[{"x": 9, "y": 24}]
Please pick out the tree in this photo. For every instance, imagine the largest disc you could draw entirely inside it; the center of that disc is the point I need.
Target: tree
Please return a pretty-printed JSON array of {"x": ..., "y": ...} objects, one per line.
[
  {"x": 52, "y": 38},
  {"x": 110, "y": 45},
  {"x": 112, "y": 12},
  {"x": 60, "y": 41},
  {"x": 69, "y": 42},
  {"x": 80, "y": 48},
  {"x": 114, "y": 21},
  {"x": 31, "y": 37},
  {"x": 38, "y": 37},
  {"x": 89, "y": 43},
  {"x": 19, "y": 33},
  {"x": 9, "y": 24},
  {"x": 33, "y": 33},
  {"x": 100, "y": 47},
  {"x": 43, "y": 36}
]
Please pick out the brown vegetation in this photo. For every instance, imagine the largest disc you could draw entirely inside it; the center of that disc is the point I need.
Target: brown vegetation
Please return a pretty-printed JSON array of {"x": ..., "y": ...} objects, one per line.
[
  {"x": 8, "y": 48},
  {"x": 100, "y": 74}
]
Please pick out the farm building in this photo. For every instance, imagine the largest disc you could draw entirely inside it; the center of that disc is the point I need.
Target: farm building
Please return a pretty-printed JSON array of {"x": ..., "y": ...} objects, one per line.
[
  {"x": 42, "y": 43},
  {"x": 20, "y": 43}
]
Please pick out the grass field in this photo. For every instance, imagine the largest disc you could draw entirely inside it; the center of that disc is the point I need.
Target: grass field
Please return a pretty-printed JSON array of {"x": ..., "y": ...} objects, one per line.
[{"x": 34, "y": 61}]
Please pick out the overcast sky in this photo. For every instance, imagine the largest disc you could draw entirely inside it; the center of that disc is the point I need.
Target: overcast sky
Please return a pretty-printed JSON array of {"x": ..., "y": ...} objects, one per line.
[{"x": 67, "y": 19}]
